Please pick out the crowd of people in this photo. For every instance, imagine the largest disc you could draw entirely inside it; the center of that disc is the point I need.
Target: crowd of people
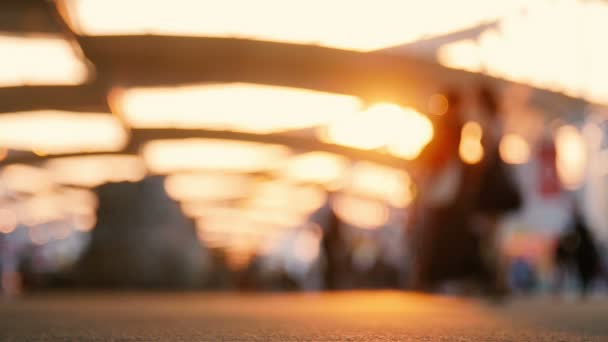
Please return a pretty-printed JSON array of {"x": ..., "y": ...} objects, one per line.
[
  {"x": 452, "y": 230},
  {"x": 446, "y": 240}
]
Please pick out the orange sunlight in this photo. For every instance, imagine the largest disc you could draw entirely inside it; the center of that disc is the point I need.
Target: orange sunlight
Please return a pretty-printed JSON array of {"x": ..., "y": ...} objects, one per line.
[{"x": 470, "y": 148}]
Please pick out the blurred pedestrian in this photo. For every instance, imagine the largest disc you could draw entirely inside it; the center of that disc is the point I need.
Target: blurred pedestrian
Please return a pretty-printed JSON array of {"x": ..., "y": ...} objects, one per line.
[
  {"x": 498, "y": 193},
  {"x": 454, "y": 220},
  {"x": 440, "y": 244},
  {"x": 576, "y": 251}
]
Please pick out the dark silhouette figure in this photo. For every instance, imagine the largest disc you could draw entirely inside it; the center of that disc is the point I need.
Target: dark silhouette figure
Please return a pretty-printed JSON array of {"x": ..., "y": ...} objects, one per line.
[
  {"x": 455, "y": 239},
  {"x": 498, "y": 194},
  {"x": 442, "y": 246},
  {"x": 577, "y": 251},
  {"x": 334, "y": 249}
]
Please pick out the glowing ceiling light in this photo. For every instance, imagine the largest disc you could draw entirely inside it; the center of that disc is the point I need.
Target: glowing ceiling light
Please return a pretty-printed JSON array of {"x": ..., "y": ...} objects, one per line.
[
  {"x": 403, "y": 130},
  {"x": 39, "y": 60},
  {"x": 514, "y": 149},
  {"x": 234, "y": 106},
  {"x": 256, "y": 236},
  {"x": 283, "y": 196},
  {"x": 571, "y": 156},
  {"x": 84, "y": 223},
  {"x": 166, "y": 156},
  {"x": 205, "y": 186},
  {"x": 362, "y": 131},
  {"x": 381, "y": 183},
  {"x": 226, "y": 238},
  {"x": 60, "y": 205},
  {"x": 412, "y": 132},
  {"x": 243, "y": 230},
  {"x": 42, "y": 208},
  {"x": 361, "y": 212},
  {"x": 80, "y": 202},
  {"x": 354, "y": 25},
  {"x": 26, "y": 179},
  {"x": 470, "y": 148},
  {"x": 56, "y": 132},
  {"x": 236, "y": 219},
  {"x": 8, "y": 220},
  {"x": 199, "y": 208},
  {"x": 316, "y": 167},
  {"x": 91, "y": 171}
]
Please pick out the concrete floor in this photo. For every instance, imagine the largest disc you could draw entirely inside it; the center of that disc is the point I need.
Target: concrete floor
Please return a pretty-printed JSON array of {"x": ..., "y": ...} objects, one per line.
[{"x": 352, "y": 316}]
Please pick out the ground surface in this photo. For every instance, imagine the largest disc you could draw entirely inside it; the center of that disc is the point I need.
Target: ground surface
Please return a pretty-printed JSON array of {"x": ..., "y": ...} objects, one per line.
[{"x": 358, "y": 316}]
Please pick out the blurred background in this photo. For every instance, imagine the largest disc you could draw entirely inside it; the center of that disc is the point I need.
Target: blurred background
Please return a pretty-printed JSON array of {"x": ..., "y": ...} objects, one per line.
[{"x": 451, "y": 147}]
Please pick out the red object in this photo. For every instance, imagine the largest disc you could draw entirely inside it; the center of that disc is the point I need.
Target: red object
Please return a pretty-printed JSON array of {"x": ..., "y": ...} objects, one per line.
[{"x": 549, "y": 180}]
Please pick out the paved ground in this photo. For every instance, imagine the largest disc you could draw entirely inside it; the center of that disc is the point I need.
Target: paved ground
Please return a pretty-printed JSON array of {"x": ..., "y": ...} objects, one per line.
[{"x": 358, "y": 316}]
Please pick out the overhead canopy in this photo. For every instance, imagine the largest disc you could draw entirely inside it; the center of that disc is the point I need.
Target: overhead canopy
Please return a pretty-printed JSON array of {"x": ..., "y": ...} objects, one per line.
[
  {"x": 146, "y": 53},
  {"x": 259, "y": 104}
]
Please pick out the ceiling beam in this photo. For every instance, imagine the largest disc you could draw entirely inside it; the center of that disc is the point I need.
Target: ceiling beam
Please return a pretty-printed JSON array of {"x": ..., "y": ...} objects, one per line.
[{"x": 298, "y": 143}]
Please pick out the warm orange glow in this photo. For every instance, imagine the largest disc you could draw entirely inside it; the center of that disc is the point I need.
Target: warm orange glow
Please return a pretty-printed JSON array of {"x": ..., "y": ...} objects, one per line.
[
  {"x": 571, "y": 156},
  {"x": 42, "y": 208},
  {"x": 240, "y": 107},
  {"x": 360, "y": 212},
  {"x": 57, "y": 132},
  {"x": 514, "y": 149},
  {"x": 40, "y": 153},
  {"x": 316, "y": 167},
  {"x": 80, "y": 202},
  {"x": 247, "y": 233},
  {"x": 470, "y": 148},
  {"x": 382, "y": 183},
  {"x": 165, "y": 156},
  {"x": 91, "y": 171},
  {"x": 39, "y": 60},
  {"x": 200, "y": 208},
  {"x": 26, "y": 179},
  {"x": 438, "y": 104},
  {"x": 403, "y": 130},
  {"x": 8, "y": 221},
  {"x": 283, "y": 196},
  {"x": 362, "y": 130},
  {"x": 242, "y": 231},
  {"x": 84, "y": 223},
  {"x": 247, "y": 219},
  {"x": 62, "y": 204},
  {"x": 207, "y": 186},
  {"x": 409, "y": 131},
  {"x": 3, "y": 153},
  {"x": 356, "y": 25}
]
